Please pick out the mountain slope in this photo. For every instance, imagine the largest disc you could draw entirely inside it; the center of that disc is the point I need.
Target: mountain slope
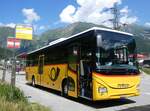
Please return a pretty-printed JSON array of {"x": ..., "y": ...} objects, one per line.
[
  {"x": 4, "y": 33},
  {"x": 142, "y": 34},
  {"x": 142, "y": 37},
  {"x": 66, "y": 31}
]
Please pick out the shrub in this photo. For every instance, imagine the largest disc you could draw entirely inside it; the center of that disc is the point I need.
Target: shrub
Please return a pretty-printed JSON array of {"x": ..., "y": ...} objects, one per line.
[
  {"x": 11, "y": 93},
  {"x": 12, "y": 99}
]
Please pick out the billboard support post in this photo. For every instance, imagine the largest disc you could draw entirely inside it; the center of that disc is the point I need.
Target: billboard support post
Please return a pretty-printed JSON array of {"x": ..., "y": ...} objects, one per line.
[
  {"x": 23, "y": 32},
  {"x": 4, "y": 70},
  {"x": 4, "y": 65},
  {"x": 13, "y": 75}
]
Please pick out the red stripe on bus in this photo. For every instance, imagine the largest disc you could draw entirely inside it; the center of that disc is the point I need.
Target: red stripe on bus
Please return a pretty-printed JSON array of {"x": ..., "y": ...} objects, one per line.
[{"x": 74, "y": 72}]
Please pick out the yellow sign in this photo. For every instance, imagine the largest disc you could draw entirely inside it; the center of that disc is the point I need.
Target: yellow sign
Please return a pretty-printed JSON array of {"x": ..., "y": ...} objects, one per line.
[{"x": 24, "y": 32}]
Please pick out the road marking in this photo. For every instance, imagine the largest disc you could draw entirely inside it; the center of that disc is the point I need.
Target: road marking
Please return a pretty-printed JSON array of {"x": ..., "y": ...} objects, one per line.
[
  {"x": 146, "y": 83},
  {"x": 146, "y": 93}
]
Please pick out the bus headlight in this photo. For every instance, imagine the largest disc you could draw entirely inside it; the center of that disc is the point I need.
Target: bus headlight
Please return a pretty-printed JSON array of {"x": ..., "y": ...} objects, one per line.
[{"x": 102, "y": 90}]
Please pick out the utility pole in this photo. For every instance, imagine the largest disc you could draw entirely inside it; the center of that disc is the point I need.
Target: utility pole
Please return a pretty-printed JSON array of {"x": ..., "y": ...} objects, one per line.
[{"x": 115, "y": 19}]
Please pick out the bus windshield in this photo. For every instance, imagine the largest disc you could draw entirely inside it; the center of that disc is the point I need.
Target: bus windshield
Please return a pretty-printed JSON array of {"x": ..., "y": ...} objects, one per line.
[{"x": 113, "y": 56}]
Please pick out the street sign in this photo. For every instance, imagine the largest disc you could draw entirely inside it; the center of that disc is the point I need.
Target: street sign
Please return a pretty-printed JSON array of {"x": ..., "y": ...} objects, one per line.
[
  {"x": 24, "y": 32},
  {"x": 13, "y": 43}
]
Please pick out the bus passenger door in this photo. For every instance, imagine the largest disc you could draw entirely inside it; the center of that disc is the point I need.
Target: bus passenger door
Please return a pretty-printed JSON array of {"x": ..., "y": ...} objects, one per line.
[
  {"x": 73, "y": 70},
  {"x": 40, "y": 69},
  {"x": 85, "y": 79}
]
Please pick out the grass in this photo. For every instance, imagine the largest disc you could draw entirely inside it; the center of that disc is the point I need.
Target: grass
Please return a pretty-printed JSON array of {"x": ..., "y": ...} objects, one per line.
[
  {"x": 12, "y": 99},
  {"x": 146, "y": 70},
  {"x": 11, "y": 93},
  {"x": 20, "y": 106}
]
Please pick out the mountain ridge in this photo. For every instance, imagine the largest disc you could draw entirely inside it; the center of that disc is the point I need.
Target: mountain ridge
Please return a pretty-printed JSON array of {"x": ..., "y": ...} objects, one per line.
[
  {"x": 142, "y": 36},
  {"x": 141, "y": 33}
]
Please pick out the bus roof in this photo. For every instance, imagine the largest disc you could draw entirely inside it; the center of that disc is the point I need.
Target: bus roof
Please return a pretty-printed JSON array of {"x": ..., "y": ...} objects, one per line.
[{"x": 64, "y": 39}]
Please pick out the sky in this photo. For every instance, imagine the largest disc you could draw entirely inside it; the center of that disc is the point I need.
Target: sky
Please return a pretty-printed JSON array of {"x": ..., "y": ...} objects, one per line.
[{"x": 50, "y": 14}]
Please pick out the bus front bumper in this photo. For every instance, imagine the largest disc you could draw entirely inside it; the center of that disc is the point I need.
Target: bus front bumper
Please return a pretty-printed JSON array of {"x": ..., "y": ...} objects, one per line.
[{"x": 104, "y": 92}]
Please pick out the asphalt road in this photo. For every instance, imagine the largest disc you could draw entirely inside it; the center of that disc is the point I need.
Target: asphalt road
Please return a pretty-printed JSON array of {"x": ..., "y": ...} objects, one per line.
[{"x": 53, "y": 99}]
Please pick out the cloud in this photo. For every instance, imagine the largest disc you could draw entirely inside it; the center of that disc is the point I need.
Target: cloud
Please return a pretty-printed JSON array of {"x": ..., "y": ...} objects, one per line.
[
  {"x": 30, "y": 15},
  {"x": 42, "y": 27},
  {"x": 125, "y": 17},
  {"x": 124, "y": 10},
  {"x": 39, "y": 28},
  {"x": 147, "y": 24},
  {"x": 11, "y": 25},
  {"x": 128, "y": 20},
  {"x": 66, "y": 15},
  {"x": 94, "y": 11}
]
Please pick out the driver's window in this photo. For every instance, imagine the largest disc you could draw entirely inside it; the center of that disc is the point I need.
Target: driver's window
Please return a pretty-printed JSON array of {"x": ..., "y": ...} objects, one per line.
[{"x": 121, "y": 55}]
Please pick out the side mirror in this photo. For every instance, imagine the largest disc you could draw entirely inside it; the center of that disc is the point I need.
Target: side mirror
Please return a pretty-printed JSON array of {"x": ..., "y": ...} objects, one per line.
[{"x": 99, "y": 40}]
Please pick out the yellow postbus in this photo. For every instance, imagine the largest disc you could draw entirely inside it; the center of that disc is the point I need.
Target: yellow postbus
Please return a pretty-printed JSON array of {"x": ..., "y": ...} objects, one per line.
[{"x": 94, "y": 64}]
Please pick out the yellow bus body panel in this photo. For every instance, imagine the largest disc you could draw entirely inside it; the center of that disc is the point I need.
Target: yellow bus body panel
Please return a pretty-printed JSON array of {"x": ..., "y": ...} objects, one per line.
[
  {"x": 46, "y": 77},
  {"x": 114, "y": 91},
  {"x": 117, "y": 86},
  {"x": 30, "y": 72},
  {"x": 46, "y": 80}
]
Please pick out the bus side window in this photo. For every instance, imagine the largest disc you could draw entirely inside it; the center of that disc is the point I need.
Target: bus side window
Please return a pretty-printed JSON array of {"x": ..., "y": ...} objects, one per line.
[
  {"x": 31, "y": 63},
  {"x": 73, "y": 54}
]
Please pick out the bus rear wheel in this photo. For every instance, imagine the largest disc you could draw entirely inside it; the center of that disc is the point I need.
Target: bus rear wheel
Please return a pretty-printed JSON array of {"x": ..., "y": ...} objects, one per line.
[{"x": 33, "y": 81}]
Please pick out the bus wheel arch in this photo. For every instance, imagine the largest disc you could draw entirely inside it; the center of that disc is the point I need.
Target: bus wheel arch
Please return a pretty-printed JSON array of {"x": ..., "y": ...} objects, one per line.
[
  {"x": 64, "y": 87},
  {"x": 33, "y": 81}
]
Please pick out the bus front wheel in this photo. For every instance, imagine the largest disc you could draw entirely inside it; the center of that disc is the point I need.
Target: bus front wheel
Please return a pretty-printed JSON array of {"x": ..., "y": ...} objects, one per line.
[{"x": 64, "y": 89}]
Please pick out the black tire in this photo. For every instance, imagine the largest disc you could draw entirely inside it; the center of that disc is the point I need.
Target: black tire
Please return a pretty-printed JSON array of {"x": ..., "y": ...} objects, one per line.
[
  {"x": 33, "y": 81},
  {"x": 64, "y": 89}
]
